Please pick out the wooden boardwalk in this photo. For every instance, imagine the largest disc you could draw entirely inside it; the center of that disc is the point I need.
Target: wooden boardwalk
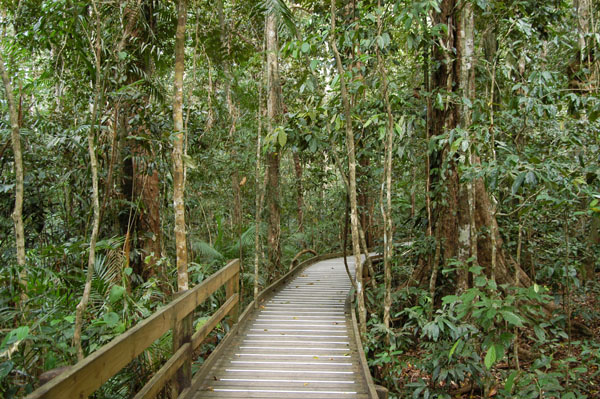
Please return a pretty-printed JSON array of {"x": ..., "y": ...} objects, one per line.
[{"x": 300, "y": 343}]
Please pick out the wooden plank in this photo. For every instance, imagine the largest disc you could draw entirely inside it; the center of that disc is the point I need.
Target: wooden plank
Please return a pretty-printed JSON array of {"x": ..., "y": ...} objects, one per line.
[
  {"x": 248, "y": 312},
  {"x": 89, "y": 374},
  {"x": 162, "y": 376},
  {"x": 302, "y": 349},
  {"x": 211, "y": 323}
]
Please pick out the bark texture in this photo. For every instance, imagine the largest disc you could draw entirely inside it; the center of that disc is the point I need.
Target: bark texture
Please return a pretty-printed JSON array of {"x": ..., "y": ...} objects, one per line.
[
  {"x": 463, "y": 220},
  {"x": 274, "y": 112},
  {"x": 386, "y": 207},
  {"x": 80, "y": 310},
  {"x": 17, "y": 215},
  {"x": 178, "y": 166},
  {"x": 362, "y": 313}
]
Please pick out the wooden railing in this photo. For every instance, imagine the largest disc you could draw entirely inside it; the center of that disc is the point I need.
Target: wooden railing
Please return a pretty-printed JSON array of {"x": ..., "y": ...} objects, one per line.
[{"x": 89, "y": 374}]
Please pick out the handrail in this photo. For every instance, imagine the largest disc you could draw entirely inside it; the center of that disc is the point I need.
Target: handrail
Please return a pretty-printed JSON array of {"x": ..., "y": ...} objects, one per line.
[{"x": 89, "y": 374}]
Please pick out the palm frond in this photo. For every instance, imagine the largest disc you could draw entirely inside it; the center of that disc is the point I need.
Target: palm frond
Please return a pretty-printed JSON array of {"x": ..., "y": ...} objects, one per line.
[
  {"x": 281, "y": 10},
  {"x": 206, "y": 250}
]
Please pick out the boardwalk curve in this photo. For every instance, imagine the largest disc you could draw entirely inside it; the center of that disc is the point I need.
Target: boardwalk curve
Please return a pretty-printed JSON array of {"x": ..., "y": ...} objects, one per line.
[{"x": 300, "y": 343}]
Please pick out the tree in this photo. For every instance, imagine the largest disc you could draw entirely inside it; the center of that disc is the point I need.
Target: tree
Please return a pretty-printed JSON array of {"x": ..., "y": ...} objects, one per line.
[
  {"x": 354, "y": 222},
  {"x": 462, "y": 211},
  {"x": 178, "y": 140},
  {"x": 19, "y": 174},
  {"x": 81, "y": 307},
  {"x": 274, "y": 115}
]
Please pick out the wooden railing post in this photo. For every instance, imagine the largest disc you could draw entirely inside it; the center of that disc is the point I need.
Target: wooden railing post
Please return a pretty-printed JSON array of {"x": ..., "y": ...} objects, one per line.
[
  {"x": 231, "y": 288},
  {"x": 182, "y": 334}
]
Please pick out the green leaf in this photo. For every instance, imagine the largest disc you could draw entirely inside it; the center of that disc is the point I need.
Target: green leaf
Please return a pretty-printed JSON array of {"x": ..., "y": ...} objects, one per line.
[
  {"x": 15, "y": 336},
  {"x": 453, "y": 349},
  {"x": 188, "y": 161},
  {"x": 313, "y": 65},
  {"x": 111, "y": 319},
  {"x": 511, "y": 318},
  {"x": 305, "y": 47},
  {"x": 480, "y": 281},
  {"x": 518, "y": 182},
  {"x": 128, "y": 271},
  {"x": 510, "y": 381},
  {"x": 116, "y": 293},
  {"x": 282, "y": 138},
  {"x": 490, "y": 357},
  {"x": 5, "y": 369},
  {"x": 539, "y": 332}
]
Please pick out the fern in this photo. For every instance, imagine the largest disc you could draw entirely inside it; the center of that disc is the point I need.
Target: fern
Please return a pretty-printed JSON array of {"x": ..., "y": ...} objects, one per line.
[{"x": 206, "y": 250}]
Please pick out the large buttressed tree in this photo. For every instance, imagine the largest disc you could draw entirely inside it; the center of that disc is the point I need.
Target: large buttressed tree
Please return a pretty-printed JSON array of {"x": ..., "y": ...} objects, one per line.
[{"x": 463, "y": 216}]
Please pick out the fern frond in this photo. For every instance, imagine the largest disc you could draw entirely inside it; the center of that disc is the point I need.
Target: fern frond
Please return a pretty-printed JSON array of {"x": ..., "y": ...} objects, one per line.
[{"x": 206, "y": 250}]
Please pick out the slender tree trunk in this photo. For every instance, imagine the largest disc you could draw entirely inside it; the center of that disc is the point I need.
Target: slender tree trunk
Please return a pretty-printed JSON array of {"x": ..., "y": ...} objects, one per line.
[
  {"x": 259, "y": 197},
  {"x": 386, "y": 210},
  {"x": 362, "y": 312},
  {"x": 182, "y": 331},
  {"x": 95, "y": 196},
  {"x": 299, "y": 195},
  {"x": 274, "y": 112},
  {"x": 17, "y": 215},
  {"x": 466, "y": 217},
  {"x": 178, "y": 166}
]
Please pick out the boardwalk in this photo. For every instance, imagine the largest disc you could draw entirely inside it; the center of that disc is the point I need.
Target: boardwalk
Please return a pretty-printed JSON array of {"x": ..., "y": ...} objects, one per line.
[{"x": 299, "y": 344}]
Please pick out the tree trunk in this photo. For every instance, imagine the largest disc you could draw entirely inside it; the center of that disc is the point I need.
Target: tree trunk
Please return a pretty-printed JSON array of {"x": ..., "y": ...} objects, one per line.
[
  {"x": 140, "y": 182},
  {"x": 178, "y": 166},
  {"x": 386, "y": 209},
  {"x": 274, "y": 112},
  {"x": 458, "y": 205},
  {"x": 17, "y": 215},
  {"x": 97, "y": 50},
  {"x": 299, "y": 195},
  {"x": 362, "y": 312}
]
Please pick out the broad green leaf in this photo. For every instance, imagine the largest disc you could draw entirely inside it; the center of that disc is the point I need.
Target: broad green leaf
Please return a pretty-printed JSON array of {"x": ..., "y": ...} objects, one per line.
[
  {"x": 490, "y": 357},
  {"x": 511, "y": 318},
  {"x": 510, "y": 381},
  {"x": 111, "y": 319},
  {"x": 518, "y": 182},
  {"x": 305, "y": 47},
  {"x": 539, "y": 332},
  {"x": 282, "y": 138},
  {"x": 116, "y": 293}
]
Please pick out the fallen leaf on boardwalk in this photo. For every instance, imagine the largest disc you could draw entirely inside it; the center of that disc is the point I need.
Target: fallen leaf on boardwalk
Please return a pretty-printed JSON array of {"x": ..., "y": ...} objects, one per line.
[
  {"x": 306, "y": 384},
  {"x": 315, "y": 357},
  {"x": 266, "y": 329},
  {"x": 215, "y": 377}
]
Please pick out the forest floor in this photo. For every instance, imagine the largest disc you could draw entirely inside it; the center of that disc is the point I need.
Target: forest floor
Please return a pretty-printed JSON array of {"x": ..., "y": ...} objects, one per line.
[{"x": 573, "y": 364}]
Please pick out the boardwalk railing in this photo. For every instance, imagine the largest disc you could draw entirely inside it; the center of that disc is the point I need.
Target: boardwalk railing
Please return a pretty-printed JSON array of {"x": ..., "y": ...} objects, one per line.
[{"x": 89, "y": 374}]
